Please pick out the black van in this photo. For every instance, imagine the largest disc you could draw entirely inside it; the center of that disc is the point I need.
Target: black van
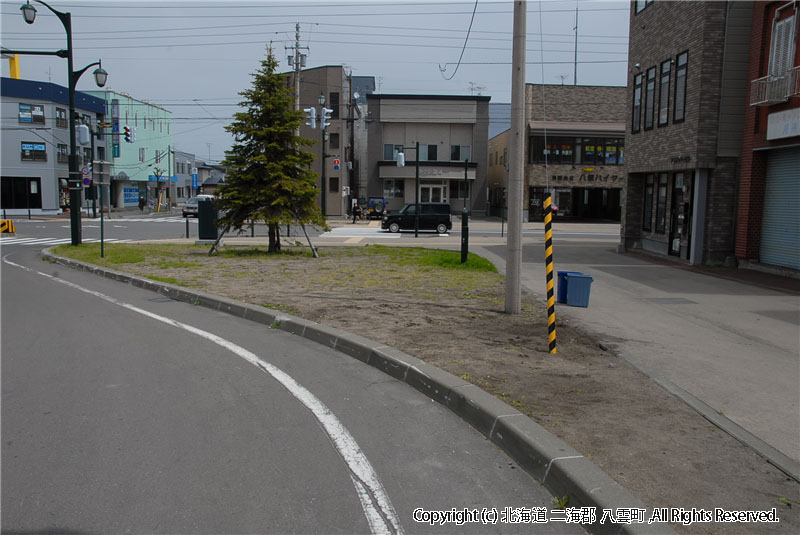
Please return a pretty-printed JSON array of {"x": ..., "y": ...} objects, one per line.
[{"x": 432, "y": 216}]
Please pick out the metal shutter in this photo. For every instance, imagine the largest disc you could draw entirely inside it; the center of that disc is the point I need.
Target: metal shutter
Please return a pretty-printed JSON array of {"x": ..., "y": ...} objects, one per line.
[{"x": 780, "y": 226}]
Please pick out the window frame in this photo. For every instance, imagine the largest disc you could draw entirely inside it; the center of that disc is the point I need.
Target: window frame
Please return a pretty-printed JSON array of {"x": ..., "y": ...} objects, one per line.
[
  {"x": 662, "y": 192},
  {"x": 648, "y": 198},
  {"x": 396, "y": 188},
  {"x": 780, "y": 63},
  {"x": 640, "y": 5},
  {"x": 62, "y": 153},
  {"x": 681, "y": 86},
  {"x": 61, "y": 118},
  {"x": 650, "y": 98},
  {"x": 663, "y": 93},
  {"x": 636, "y": 112}
]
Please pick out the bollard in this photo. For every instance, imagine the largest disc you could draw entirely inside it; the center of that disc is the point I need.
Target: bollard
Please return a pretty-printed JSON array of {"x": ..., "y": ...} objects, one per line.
[
  {"x": 187, "y": 228},
  {"x": 548, "y": 254},
  {"x": 464, "y": 236}
]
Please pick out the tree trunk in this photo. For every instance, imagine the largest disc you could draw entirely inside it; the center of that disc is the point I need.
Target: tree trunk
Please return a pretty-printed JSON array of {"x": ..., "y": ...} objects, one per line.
[{"x": 274, "y": 238}]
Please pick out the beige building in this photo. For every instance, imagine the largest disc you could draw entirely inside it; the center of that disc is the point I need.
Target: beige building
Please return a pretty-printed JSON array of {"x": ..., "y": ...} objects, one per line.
[
  {"x": 452, "y": 132},
  {"x": 575, "y": 151}
]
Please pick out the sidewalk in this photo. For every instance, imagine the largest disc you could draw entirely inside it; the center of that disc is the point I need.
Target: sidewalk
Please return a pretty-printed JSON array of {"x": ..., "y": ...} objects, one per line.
[{"x": 724, "y": 340}]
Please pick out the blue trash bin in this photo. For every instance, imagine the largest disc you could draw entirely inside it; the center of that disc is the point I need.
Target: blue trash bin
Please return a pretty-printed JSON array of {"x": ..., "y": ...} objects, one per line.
[
  {"x": 561, "y": 296},
  {"x": 579, "y": 287}
]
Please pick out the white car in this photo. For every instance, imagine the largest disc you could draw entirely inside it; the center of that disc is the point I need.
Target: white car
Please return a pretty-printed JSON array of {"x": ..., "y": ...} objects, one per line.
[{"x": 190, "y": 208}]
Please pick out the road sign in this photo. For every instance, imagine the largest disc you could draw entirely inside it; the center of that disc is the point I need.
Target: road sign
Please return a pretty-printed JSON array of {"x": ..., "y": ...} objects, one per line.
[
  {"x": 86, "y": 181},
  {"x": 194, "y": 180},
  {"x": 85, "y": 171}
]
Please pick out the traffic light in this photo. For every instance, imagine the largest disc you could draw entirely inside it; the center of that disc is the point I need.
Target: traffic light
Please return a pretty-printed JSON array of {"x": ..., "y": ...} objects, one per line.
[
  {"x": 311, "y": 115},
  {"x": 128, "y": 134},
  {"x": 133, "y": 134},
  {"x": 336, "y": 164},
  {"x": 325, "y": 120}
]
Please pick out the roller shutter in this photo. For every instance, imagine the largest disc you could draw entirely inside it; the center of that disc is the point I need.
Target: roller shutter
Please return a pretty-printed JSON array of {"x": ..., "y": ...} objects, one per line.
[{"x": 780, "y": 226}]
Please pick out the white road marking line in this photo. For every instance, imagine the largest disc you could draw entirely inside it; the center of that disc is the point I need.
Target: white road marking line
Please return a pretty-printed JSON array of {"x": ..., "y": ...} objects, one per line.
[{"x": 375, "y": 502}]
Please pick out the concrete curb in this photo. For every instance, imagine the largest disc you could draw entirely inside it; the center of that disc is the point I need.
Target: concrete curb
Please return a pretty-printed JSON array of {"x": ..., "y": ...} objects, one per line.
[{"x": 557, "y": 466}]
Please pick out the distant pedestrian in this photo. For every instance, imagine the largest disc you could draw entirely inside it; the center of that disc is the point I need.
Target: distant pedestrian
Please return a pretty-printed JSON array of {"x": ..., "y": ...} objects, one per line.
[
  {"x": 356, "y": 212},
  {"x": 142, "y": 203}
]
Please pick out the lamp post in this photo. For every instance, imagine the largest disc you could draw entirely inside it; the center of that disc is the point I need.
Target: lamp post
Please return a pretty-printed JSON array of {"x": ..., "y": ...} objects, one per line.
[
  {"x": 100, "y": 76},
  {"x": 401, "y": 162},
  {"x": 321, "y": 100}
]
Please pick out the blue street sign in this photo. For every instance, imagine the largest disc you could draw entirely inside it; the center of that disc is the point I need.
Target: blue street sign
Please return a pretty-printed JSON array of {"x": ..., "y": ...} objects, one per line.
[{"x": 194, "y": 180}]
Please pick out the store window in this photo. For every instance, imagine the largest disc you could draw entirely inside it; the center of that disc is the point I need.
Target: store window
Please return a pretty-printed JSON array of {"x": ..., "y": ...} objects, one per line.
[
  {"x": 394, "y": 189},
  {"x": 557, "y": 150},
  {"x": 458, "y": 190},
  {"x": 636, "y": 122},
  {"x": 34, "y": 152},
  {"x": 663, "y": 93},
  {"x": 681, "y": 72},
  {"x": 661, "y": 204},
  {"x": 649, "y": 98},
  {"x": 649, "y": 192}
]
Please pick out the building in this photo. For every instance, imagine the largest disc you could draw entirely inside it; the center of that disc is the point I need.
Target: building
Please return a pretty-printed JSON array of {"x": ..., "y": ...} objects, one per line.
[
  {"x": 185, "y": 169},
  {"x": 341, "y": 182},
  {"x": 686, "y": 100},
  {"x": 768, "y": 217},
  {"x": 142, "y": 166},
  {"x": 575, "y": 152},
  {"x": 452, "y": 132},
  {"x": 35, "y": 148}
]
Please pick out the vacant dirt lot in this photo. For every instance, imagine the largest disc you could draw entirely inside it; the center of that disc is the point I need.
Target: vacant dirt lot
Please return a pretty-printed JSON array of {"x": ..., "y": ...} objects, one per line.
[{"x": 643, "y": 437}]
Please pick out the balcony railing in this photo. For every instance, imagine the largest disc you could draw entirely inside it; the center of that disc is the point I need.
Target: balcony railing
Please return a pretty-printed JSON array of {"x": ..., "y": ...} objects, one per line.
[
  {"x": 769, "y": 90},
  {"x": 794, "y": 82}
]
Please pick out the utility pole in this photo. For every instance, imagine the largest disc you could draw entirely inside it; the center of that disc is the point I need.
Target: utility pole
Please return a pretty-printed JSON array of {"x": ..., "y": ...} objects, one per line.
[
  {"x": 297, "y": 60},
  {"x": 513, "y": 304}
]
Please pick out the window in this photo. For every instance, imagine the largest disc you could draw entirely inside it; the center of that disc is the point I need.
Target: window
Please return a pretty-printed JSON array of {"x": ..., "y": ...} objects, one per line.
[
  {"x": 390, "y": 151},
  {"x": 641, "y": 4},
  {"x": 556, "y": 150},
  {"x": 62, "y": 154},
  {"x": 428, "y": 152},
  {"x": 31, "y": 113},
  {"x": 61, "y": 118},
  {"x": 460, "y": 152},
  {"x": 333, "y": 142},
  {"x": 34, "y": 152},
  {"x": 681, "y": 71},
  {"x": 101, "y": 154},
  {"x": 457, "y": 189},
  {"x": 87, "y": 155},
  {"x": 663, "y": 93},
  {"x": 661, "y": 206},
  {"x": 649, "y": 98},
  {"x": 158, "y": 156},
  {"x": 782, "y": 48},
  {"x": 636, "y": 122},
  {"x": 394, "y": 188},
  {"x": 334, "y": 105},
  {"x": 333, "y": 184},
  {"x": 647, "y": 215},
  {"x": 141, "y": 154}
]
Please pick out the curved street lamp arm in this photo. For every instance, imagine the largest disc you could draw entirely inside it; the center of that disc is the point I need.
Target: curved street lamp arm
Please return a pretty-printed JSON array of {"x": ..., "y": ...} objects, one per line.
[{"x": 77, "y": 74}]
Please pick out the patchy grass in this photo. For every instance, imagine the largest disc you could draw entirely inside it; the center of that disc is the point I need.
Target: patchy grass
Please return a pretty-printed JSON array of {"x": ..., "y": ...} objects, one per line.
[{"x": 90, "y": 252}]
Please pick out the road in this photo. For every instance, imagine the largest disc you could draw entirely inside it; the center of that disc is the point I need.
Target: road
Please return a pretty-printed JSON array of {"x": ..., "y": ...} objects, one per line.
[{"x": 126, "y": 412}]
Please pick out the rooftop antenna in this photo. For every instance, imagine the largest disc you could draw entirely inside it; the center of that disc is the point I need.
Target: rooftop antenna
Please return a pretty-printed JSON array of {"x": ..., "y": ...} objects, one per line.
[
  {"x": 474, "y": 87},
  {"x": 575, "y": 76},
  {"x": 562, "y": 76}
]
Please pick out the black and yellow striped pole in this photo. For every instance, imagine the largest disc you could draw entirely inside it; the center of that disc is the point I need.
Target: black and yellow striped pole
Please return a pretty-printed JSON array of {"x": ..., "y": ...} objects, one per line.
[{"x": 548, "y": 254}]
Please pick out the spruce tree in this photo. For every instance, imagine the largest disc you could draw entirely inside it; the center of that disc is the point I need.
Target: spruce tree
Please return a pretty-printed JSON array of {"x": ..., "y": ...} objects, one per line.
[{"x": 268, "y": 176}]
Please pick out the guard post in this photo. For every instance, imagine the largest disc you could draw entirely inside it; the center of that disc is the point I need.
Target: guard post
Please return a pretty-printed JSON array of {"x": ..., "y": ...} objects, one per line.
[{"x": 548, "y": 258}]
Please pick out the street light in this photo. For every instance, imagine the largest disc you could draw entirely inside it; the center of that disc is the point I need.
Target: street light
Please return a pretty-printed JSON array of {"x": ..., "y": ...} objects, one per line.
[
  {"x": 100, "y": 77},
  {"x": 321, "y": 100},
  {"x": 401, "y": 162}
]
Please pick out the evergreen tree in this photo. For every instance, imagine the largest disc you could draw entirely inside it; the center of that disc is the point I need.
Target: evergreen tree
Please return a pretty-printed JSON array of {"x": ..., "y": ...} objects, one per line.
[{"x": 268, "y": 176}]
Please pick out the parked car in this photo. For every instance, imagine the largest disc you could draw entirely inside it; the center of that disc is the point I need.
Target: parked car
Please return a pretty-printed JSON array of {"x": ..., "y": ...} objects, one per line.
[
  {"x": 432, "y": 216},
  {"x": 376, "y": 207},
  {"x": 191, "y": 208}
]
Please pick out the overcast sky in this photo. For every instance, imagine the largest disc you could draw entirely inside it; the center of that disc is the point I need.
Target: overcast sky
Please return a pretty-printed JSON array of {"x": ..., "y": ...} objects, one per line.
[{"x": 194, "y": 57}]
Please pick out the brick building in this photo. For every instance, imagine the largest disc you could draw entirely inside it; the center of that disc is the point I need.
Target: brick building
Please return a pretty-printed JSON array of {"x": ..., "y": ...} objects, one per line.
[
  {"x": 687, "y": 89},
  {"x": 575, "y": 152},
  {"x": 768, "y": 224}
]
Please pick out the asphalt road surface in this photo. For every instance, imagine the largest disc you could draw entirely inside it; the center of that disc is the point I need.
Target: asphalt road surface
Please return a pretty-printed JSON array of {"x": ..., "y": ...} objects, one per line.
[{"x": 123, "y": 411}]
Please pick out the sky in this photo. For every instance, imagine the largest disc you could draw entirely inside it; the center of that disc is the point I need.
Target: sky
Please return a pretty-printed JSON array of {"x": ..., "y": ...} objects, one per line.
[{"x": 195, "y": 57}]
